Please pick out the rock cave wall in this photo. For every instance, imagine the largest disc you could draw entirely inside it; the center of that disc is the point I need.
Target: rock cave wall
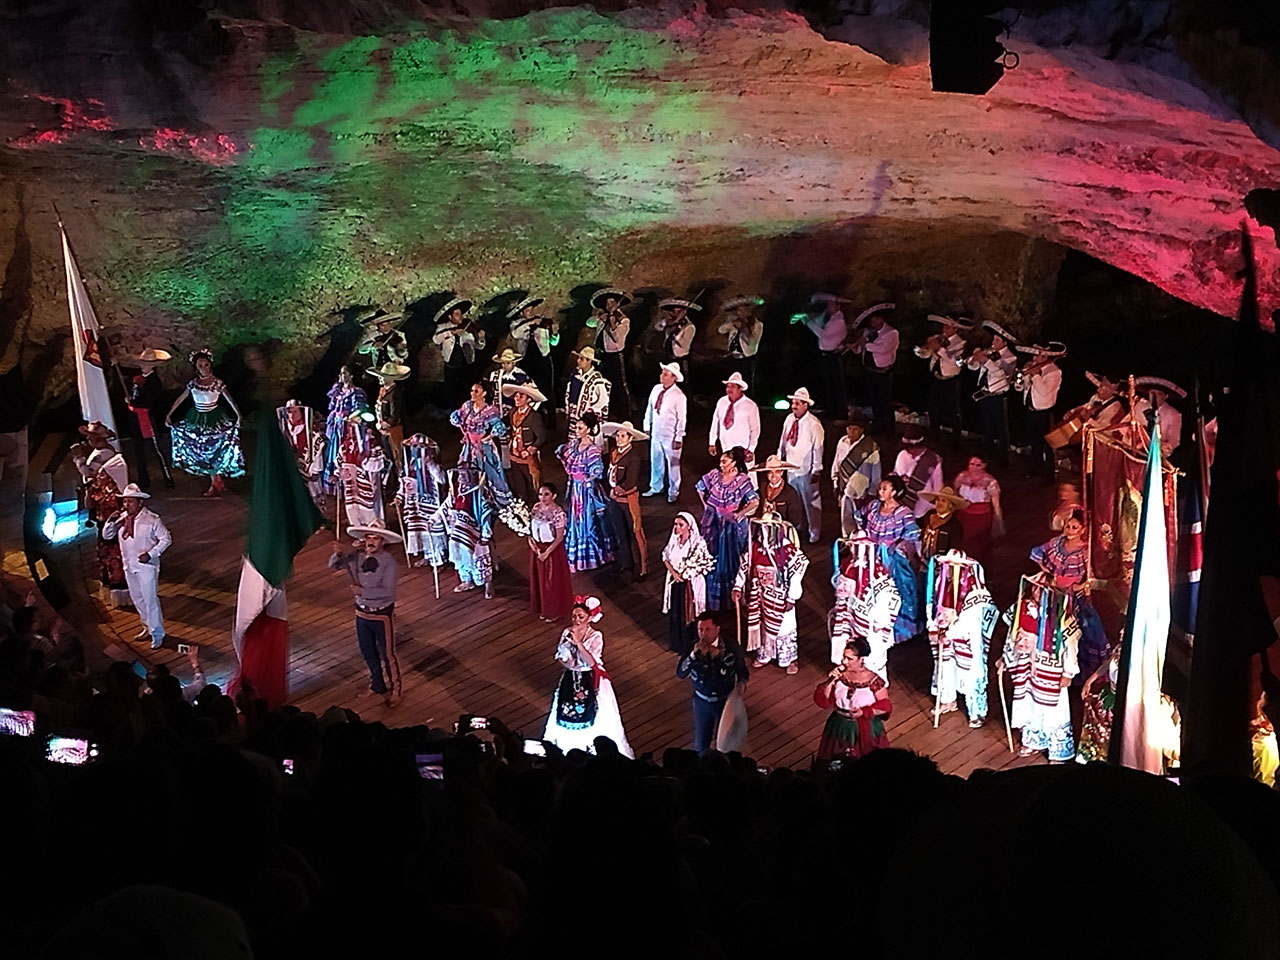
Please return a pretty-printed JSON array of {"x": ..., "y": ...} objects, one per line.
[{"x": 239, "y": 176}]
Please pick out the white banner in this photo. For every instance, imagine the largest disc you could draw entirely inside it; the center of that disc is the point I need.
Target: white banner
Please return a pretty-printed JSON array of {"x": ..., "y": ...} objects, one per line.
[{"x": 95, "y": 402}]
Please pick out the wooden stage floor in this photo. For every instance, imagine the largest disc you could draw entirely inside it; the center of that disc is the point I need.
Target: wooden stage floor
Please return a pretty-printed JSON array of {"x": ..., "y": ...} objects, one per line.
[{"x": 463, "y": 654}]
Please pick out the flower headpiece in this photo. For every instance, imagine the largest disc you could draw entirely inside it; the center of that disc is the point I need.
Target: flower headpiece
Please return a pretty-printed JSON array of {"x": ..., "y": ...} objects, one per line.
[
  {"x": 200, "y": 352},
  {"x": 594, "y": 609}
]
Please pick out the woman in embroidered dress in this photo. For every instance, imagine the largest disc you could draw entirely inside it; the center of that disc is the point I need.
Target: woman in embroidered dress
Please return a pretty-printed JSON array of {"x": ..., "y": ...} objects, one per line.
[
  {"x": 684, "y": 596},
  {"x": 105, "y": 475},
  {"x": 206, "y": 441},
  {"x": 584, "y": 705},
  {"x": 892, "y": 526},
  {"x": 550, "y": 588},
  {"x": 859, "y": 703},
  {"x": 345, "y": 399},
  {"x": 482, "y": 429},
  {"x": 1063, "y": 559},
  {"x": 728, "y": 500},
  {"x": 983, "y": 518},
  {"x": 587, "y": 539}
]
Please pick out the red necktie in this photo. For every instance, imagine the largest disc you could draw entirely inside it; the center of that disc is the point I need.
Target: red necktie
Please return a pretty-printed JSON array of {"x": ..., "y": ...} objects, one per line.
[
  {"x": 128, "y": 526},
  {"x": 728, "y": 417},
  {"x": 657, "y": 404},
  {"x": 793, "y": 435}
]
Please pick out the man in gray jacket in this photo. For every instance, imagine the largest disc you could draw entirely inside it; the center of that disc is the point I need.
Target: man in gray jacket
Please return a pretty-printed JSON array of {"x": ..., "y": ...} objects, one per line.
[{"x": 374, "y": 574}]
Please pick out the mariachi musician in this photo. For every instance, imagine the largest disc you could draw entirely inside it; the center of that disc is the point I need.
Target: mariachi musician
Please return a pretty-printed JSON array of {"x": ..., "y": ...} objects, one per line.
[
  {"x": 534, "y": 336},
  {"x": 460, "y": 338},
  {"x": 1104, "y": 409},
  {"x": 1040, "y": 379},
  {"x": 996, "y": 366},
  {"x": 383, "y": 342}
]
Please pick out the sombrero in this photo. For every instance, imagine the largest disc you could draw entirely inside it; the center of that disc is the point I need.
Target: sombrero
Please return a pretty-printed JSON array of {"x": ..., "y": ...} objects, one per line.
[
  {"x": 390, "y": 371},
  {"x": 381, "y": 316},
  {"x": 823, "y": 297},
  {"x": 913, "y": 433},
  {"x": 1159, "y": 383},
  {"x": 943, "y": 319},
  {"x": 621, "y": 296},
  {"x": 152, "y": 355},
  {"x": 1098, "y": 380},
  {"x": 132, "y": 491},
  {"x": 741, "y": 301},
  {"x": 996, "y": 328},
  {"x": 736, "y": 378},
  {"x": 378, "y": 529},
  {"x": 506, "y": 356},
  {"x": 97, "y": 428},
  {"x": 946, "y": 493},
  {"x": 587, "y": 353},
  {"x": 459, "y": 302},
  {"x": 519, "y": 307},
  {"x": 774, "y": 462},
  {"x": 421, "y": 440},
  {"x": 673, "y": 302},
  {"x": 872, "y": 311},
  {"x": 528, "y": 389},
  {"x": 610, "y": 428},
  {"x": 1054, "y": 349},
  {"x": 674, "y": 370},
  {"x": 802, "y": 394}
]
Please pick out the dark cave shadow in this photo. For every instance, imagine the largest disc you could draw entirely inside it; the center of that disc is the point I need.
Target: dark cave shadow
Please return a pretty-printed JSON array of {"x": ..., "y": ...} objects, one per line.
[{"x": 313, "y": 389}]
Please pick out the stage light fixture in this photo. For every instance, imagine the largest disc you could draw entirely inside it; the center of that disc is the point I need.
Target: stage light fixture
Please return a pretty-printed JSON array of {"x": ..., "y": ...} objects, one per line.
[
  {"x": 966, "y": 54},
  {"x": 61, "y": 521},
  {"x": 782, "y": 404}
]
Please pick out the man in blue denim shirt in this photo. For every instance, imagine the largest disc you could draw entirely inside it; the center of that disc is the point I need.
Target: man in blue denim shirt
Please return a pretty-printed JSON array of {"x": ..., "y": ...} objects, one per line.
[{"x": 717, "y": 665}]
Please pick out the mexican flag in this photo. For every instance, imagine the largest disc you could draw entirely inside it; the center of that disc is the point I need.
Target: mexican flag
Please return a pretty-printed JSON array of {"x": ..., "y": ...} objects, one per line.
[
  {"x": 1139, "y": 727},
  {"x": 95, "y": 402},
  {"x": 282, "y": 517}
]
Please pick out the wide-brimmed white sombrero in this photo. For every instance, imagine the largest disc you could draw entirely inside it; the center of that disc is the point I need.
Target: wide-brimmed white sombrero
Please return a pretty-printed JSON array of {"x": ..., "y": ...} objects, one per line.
[
  {"x": 1054, "y": 349},
  {"x": 944, "y": 320},
  {"x": 996, "y": 328},
  {"x": 133, "y": 491},
  {"x": 801, "y": 394},
  {"x": 735, "y": 378},
  {"x": 1144, "y": 384},
  {"x": 774, "y": 462},
  {"x": 741, "y": 301},
  {"x": 672, "y": 302},
  {"x": 610, "y": 428},
  {"x": 375, "y": 528},
  {"x": 674, "y": 370}
]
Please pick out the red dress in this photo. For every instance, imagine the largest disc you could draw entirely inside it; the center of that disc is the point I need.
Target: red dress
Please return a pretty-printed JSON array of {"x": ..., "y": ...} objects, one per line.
[
  {"x": 844, "y": 734},
  {"x": 550, "y": 583}
]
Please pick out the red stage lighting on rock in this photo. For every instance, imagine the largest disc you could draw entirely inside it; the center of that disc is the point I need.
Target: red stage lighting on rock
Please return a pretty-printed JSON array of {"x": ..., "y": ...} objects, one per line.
[{"x": 965, "y": 52}]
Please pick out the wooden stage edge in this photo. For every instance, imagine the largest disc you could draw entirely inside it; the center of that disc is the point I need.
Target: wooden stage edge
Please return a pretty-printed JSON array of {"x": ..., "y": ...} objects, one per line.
[{"x": 463, "y": 654}]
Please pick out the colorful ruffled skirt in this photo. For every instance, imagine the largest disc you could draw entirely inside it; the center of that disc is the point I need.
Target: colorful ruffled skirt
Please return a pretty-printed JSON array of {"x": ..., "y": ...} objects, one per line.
[
  {"x": 844, "y": 737},
  {"x": 208, "y": 444}
]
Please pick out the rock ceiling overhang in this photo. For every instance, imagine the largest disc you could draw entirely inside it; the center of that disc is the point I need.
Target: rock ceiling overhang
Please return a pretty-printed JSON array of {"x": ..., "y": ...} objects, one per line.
[{"x": 288, "y": 167}]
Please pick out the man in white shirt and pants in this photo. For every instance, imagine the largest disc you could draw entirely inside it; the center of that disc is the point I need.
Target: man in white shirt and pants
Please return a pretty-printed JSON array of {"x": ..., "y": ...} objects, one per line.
[
  {"x": 665, "y": 417},
  {"x": 735, "y": 422},
  {"x": 1041, "y": 380},
  {"x": 744, "y": 331},
  {"x": 995, "y": 366},
  {"x": 143, "y": 538},
  {"x": 801, "y": 444}
]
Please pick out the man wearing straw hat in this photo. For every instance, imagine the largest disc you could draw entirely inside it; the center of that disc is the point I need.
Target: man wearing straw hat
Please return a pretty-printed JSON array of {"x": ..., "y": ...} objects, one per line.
[
  {"x": 665, "y": 418},
  {"x": 534, "y": 336},
  {"x": 383, "y": 342},
  {"x": 507, "y": 373},
  {"x": 143, "y": 538},
  {"x": 735, "y": 422},
  {"x": 388, "y": 408},
  {"x": 777, "y": 497},
  {"x": 613, "y": 327},
  {"x": 855, "y": 471},
  {"x": 1041, "y": 380},
  {"x": 677, "y": 331},
  {"x": 945, "y": 352},
  {"x": 744, "y": 331},
  {"x": 995, "y": 365},
  {"x": 940, "y": 528},
  {"x": 144, "y": 394},
  {"x": 623, "y": 513},
  {"x": 526, "y": 438},
  {"x": 374, "y": 577},
  {"x": 586, "y": 390},
  {"x": 1153, "y": 405},
  {"x": 801, "y": 443},
  {"x": 459, "y": 339}
]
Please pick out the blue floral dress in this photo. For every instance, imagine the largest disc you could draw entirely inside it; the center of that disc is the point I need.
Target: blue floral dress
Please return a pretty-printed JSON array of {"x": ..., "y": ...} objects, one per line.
[
  {"x": 586, "y": 535},
  {"x": 482, "y": 428},
  {"x": 726, "y": 537},
  {"x": 343, "y": 401},
  {"x": 890, "y": 531}
]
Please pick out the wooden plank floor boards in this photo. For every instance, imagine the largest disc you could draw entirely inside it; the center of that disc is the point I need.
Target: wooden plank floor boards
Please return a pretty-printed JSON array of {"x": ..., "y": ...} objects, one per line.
[{"x": 463, "y": 653}]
